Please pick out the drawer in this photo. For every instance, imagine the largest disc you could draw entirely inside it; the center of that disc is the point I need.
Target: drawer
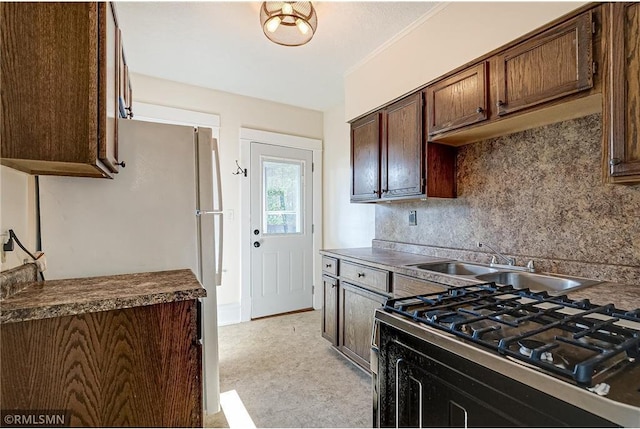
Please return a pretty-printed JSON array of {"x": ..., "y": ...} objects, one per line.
[
  {"x": 330, "y": 265},
  {"x": 408, "y": 286},
  {"x": 365, "y": 276}
]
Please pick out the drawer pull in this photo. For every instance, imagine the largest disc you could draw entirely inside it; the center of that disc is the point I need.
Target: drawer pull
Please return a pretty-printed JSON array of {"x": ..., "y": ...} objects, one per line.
[
  {"x": 360, "y": 274},
  {"x": 328, "y": 265}
]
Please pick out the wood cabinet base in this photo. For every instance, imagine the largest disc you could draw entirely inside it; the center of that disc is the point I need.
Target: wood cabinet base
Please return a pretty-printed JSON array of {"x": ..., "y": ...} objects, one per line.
[{"x": 135, "y": 367}]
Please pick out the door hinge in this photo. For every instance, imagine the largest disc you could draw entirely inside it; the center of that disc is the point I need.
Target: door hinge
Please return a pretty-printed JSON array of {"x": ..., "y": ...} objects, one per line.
[
  {"x": 313, "y": 289},
  {"x": 313, "y": 228},
  {"x": 594, "y": 67},
  {"x": 313, "y": 167}
]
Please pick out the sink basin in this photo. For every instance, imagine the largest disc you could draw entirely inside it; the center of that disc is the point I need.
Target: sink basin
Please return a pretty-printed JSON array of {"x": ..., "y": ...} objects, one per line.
[
  {"x": 536, "y": 282},
  {"x": 457, "y": 268}
]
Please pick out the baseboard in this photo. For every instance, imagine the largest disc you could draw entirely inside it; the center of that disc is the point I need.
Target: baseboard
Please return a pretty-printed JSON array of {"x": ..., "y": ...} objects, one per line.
[{"x": 229, "y": 314}]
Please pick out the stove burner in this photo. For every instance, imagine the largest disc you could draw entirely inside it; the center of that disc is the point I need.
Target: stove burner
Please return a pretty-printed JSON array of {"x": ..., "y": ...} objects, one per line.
[
  {"x": 573, "y": 339},
  {"x": 527, "y": 346},
  {"x": 451, "y": 318}
]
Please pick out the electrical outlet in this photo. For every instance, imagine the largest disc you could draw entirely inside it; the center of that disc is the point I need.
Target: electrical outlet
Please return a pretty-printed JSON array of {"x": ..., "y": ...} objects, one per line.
[{"x": 413, "y": 217}]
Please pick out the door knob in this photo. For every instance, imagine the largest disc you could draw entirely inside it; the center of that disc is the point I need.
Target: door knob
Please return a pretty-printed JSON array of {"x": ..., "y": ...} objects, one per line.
[
  {"x": 256, "y": 231},
  {"x": 256, "y": 244}
]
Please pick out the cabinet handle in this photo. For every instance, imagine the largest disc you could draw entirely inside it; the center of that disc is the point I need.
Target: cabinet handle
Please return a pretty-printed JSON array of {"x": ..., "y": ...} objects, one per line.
[
  {"x": 121, "y": 164},
  {"x": 479, "y": 110},
  {"x": 501, "y": 103},
  {"x": 614, "y": 161},
  {"x": 328, "y": 265},
  {"x": 333, "y": 285},
  {"x": 375, "y": 192},
  {"x": 129, "y": 112},
  {"x": 360, "y": 274}
]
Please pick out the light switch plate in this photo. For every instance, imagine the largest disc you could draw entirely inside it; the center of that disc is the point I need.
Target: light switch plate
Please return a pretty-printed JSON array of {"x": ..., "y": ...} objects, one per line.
[{"x": 413, "y": 217}]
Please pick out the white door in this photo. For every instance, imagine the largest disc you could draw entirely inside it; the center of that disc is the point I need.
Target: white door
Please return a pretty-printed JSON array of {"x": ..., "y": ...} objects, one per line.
[{"x": 281, "y": 240}]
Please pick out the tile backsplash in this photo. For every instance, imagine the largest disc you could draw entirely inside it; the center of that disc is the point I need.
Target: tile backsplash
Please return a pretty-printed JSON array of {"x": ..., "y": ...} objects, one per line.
[{"x": 533, "y": 194}]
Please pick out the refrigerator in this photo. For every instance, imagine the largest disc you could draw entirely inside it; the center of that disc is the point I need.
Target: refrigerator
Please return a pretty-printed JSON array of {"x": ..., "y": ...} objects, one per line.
[{"x": 162, "y": 211}]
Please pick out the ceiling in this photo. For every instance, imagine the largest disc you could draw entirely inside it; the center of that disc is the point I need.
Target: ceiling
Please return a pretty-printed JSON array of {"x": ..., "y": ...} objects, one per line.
[{"x": 220, "y": 45}]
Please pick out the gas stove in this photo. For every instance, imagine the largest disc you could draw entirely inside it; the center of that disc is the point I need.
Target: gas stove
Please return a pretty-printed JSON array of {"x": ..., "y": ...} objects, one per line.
[{"x": 582, "y": 353}]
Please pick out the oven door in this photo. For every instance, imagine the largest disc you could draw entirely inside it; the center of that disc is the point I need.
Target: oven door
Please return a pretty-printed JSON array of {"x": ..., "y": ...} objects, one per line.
[{"x": 422, "y": 385}]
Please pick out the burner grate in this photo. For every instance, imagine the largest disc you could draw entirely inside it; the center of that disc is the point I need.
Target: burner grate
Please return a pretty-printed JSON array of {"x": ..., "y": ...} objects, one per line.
[{"x": 586, "y": 339}]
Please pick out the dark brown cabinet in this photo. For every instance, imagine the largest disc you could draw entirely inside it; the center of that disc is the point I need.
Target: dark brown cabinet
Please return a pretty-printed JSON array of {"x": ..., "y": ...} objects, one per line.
[
  {"x": 330, "y": 310},
  {"x": 402, "y": 149},
  {"x": 138, "y": 366},
  {"x": 365, "y": 158},
  {"x": 404, "y": 286},
  {"x": 458, "y": 101},
  {"x": 60, "y": 88},
  {"x": 556, "y": 63},
  {"x": 622, "y": 101},
  {"x": 390, "y": 158},
  {"x": 357, "y": 306}
]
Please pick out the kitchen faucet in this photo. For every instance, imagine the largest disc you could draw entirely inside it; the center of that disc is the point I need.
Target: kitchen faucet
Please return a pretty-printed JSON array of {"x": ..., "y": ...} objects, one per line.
[{"x": 510, "y": 261}]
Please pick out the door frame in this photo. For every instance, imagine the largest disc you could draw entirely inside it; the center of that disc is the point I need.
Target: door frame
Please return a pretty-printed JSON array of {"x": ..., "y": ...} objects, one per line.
[{"x": 247, "y": 136}]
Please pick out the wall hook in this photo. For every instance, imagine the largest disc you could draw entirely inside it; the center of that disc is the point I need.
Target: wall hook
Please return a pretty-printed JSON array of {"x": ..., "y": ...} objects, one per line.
[{"x": 240, "y": 170}]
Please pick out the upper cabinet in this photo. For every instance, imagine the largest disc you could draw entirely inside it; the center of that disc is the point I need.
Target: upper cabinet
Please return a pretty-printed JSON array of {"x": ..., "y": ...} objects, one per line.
[
  {"x": 553, "y": 64},
  {"x": 458, "y": 101},
  {"x": 62, "y": 65},
  {"x": 390, "y": 159},
  {"x": 365, "y": 158},
  {"x": 402, "y": 154},
  {"x": 622, "y": 90}
]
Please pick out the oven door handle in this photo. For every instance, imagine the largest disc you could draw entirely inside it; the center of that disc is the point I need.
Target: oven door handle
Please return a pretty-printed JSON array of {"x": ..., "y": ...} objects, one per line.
[{"x": 375, "y": 348}]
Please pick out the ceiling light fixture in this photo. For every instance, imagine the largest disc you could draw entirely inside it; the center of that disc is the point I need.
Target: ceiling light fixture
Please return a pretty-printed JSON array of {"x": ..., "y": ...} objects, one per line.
[{"x": 288, "y": 23}]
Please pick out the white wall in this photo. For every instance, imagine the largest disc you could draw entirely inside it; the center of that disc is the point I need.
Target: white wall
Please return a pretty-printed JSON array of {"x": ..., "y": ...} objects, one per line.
[
  {"x": 235, "y": 111},
  {"x": 345, "y": 224},
  {"x": 454, "y": 35},
  {"x": 17, "y": 212}
]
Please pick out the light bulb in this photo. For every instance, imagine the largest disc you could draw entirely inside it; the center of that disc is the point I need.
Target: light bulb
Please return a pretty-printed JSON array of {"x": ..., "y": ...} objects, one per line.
[
  {"x": 302, "y": 26},
  {"x": 287, "y": 9},
  {"x": 273, "y": 23}
]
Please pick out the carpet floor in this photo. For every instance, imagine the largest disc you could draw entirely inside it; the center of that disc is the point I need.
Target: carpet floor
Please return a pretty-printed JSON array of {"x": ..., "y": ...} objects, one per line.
[{"x": 287, "y": 375}]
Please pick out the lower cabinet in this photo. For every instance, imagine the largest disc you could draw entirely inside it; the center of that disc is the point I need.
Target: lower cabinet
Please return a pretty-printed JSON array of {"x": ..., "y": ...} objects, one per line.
[
  {"x": 404, "y": 286},
  {"x": 330, "y": 309},
  {"x": 139, "y": 366},
  {"x": 357, "y": 306}
]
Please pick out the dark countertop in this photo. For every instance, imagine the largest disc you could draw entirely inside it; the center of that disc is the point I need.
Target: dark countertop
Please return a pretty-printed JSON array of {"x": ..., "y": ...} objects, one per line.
[
  {"x": 623, "y": 296},
  {"x": 56, "y": 298}
]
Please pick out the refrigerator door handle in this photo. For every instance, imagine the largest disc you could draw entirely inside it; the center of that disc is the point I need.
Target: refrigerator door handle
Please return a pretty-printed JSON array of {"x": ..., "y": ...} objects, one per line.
[
  {"x": 203, "y": 212},
  {"x": 218, "y": 270}
]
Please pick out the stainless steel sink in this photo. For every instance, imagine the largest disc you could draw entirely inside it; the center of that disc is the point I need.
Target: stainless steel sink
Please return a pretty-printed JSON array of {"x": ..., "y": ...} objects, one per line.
[
  {"x": 536, "y": 282},
  {"x": 457, "y": 268}
]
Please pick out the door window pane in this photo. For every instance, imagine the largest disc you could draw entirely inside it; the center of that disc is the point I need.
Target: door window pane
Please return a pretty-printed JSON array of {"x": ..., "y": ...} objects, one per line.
[{"x": 282, "y": 196}]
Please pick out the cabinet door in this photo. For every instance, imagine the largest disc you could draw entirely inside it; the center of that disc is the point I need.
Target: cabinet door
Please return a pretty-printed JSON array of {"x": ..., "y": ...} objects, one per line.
[
  {"x": 458, "y": 101},
  {"x": 553, "y": 64},
  {"x": 110, "y": 47},
  {"x": 49, "y": 94},
  {"x": 402, "y": 149},
  {"x": 357, "y": 306},
  {"x": 136, "y": 367},
  {"x": 330, "y": 310},
  {"x": 365, "y": 158},
  {"x": 623, "y": 101}
]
